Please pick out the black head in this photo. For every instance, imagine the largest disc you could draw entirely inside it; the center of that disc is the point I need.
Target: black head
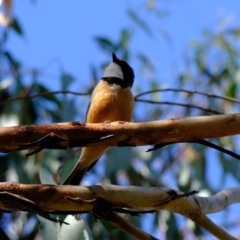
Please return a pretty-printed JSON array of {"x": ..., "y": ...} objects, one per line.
[
  {"x": 127, "y": 71},
  {"x": 119, "y": 72}
]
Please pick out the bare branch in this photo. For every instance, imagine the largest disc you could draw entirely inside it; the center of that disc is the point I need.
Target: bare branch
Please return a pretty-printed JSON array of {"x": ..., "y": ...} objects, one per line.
[
  {"x": 189, "y": 92},
  {"x": 126, "y": 226},
  {"x": 41, "y": 95},
  {"x": 76, "y": 134},
  {"x": 179, "y": 104},
  {"x": 75, "y": 199}
]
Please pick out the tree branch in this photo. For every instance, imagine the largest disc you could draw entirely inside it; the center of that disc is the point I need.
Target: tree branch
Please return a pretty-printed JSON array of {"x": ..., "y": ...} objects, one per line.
[
  {"x": 76, "y": 134},
  {"x": 190, "y": 92},
  {"x": 126, "y": 226},
  {"x": 77, "y": 199}
]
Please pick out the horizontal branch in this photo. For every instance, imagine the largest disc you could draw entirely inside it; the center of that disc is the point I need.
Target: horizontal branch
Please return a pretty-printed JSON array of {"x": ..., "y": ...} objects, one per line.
[
  {"x": 44, "y": 199},
  {"x": 76, "y": 134}
]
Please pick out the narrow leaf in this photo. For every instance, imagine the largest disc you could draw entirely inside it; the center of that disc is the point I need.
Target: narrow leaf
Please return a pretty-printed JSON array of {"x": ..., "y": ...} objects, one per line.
[
  {"x": 76, "y": 230},
  {"x": 16, "y": 27},
  {"x": 140, "y": 22}
]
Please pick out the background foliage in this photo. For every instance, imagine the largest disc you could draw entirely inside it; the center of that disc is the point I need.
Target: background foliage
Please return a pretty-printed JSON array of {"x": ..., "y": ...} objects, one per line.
[{"x": 209, "y": 64}]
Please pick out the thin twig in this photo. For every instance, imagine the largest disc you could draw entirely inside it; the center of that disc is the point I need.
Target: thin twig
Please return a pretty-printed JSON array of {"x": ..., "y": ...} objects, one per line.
[
  {"x": 202, "y": 142},
  {"x": 179, "y": 104},
  {"x": 190, "y": 92},
  {"x": 126, "y": 226},
  {"x": 41, "y": 95}
]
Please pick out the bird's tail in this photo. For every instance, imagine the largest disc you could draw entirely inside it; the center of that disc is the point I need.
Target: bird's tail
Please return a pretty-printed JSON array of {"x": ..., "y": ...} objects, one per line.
[
  {"x": 75, "y": 177},
  {"x": 87, "y": 160}
]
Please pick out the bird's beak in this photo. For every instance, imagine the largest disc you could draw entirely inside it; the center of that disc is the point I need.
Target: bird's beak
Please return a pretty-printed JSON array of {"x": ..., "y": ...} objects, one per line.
[{"x": 114, "y": 58}]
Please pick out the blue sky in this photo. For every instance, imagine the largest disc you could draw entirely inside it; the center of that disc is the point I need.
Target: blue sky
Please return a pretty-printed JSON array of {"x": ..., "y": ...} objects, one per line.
[{"x": 62, "y": 31}]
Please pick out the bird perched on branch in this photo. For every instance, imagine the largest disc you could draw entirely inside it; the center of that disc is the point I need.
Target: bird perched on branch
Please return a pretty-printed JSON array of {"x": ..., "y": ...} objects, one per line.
[{"x": 111, "y": 100}]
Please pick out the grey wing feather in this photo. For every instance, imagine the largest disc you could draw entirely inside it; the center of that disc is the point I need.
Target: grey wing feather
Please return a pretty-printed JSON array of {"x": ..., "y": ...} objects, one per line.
[{"x": 89, "y": 105}]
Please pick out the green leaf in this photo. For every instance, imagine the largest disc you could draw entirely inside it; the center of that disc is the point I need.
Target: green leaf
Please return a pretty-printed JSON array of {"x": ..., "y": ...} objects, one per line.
[
  {"x": 140, "y": 22},
  {"x": 198, "y": 230},
  {"x": 125, "y": 39},
  {"x": 16, "y": 27},
  {"x": 173, "y": 228},
  {"x": 76, "y": 230},
  {"x": 109, "y": 227},
  {"x": 145, "y": 62},
  {"x": 46, "y": 177},
  {"x": 232, "y": 90},
  {"x": 121, "y": 158},
  {"x": 15, "y": 64},
  {"x": 235, "y": 31},
  {"x": 48, "y": 229},
  {"x": 28, "y": 111},
  {"x": 66, "y": 80},
  {"x": 105, "y": 44},
  {"x": 51, "y": 97}
]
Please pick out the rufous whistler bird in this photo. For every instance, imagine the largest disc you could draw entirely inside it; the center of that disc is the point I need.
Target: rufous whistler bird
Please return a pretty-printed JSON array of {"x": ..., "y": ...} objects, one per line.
[{"x": 111, "y": 100}]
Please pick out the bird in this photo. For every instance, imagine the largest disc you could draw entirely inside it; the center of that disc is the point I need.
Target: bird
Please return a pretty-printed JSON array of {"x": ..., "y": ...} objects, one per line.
[{"x": 111, "y": 100}]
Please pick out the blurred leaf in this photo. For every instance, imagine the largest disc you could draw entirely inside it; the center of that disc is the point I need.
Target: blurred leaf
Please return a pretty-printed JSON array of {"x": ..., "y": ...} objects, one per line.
[
  {"x": 235, "y": 31},
  {"x": 140, "y": 22},
  {"x": 105, "y": 44},
  {"x": 146, "y": 63},
  {"x": 109, "y": 227},
  {"x": 51, "y": 97},
  {"x": 76, "y": 230},
  {"x": 135, "y": 178},
  {"x": 4, "y": 38},
  {"x": 4, "y": 95},
  {"x": 198, "y": 230},
  {"x": 28, "y": 112},
  {"x": 200, "y": 163},
  {"x": 4, "y": 167},
  {"x": 165, "y": 35},
  {"x": 232, "y": 90},
  {"x": 124, "y": 44},
  {"x": 230, "y": 167},
  {"x": 46, "y": 177},
  {"x": 66, "y": 80},
  {"x": 16, "y": 26},
  {"x": 48, "y": 229},
  {"x": 118, "y": 159},
  {"x": 223, "y": 74},
  {"x": 184, "y": 179},
  {"x": 15, "y": 64},
  {"x": 173, "y": 228}
]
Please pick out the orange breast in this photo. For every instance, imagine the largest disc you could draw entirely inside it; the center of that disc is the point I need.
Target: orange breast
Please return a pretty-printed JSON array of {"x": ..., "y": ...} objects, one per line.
[{"x": 110, "y": 103}]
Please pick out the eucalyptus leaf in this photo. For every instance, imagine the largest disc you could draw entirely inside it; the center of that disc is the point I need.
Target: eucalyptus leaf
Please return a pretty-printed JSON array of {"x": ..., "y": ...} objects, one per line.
[
  {"x": 76, "y": 230},
  {"x": 48, "y": 229},
  {"x": 16, "y": 26},
  {"x": 66, "y": 80},
  {"x": 46, "y": 177}
]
